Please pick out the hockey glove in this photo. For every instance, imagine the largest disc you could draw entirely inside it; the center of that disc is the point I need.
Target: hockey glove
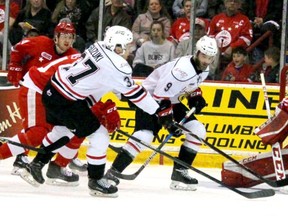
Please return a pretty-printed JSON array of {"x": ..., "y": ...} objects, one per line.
[
  {"x": 195, "y": 99},
  {"x": 165, "y": 116},
  {"x": 15, "y": 74},
  {"x": 108, "y": 115},
  {"x": 165, "y": 113}
]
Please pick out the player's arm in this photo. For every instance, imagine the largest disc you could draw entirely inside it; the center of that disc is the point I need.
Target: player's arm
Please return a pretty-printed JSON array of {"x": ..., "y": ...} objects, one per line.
[{"x": 17, "y": 56}]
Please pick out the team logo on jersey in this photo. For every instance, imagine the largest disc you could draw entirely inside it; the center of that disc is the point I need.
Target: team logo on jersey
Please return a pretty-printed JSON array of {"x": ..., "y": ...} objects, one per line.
[
  {"x": 46, "y": 55},
  {"x": 2, "y": 16},
  {"x": 223, "y": 38}
]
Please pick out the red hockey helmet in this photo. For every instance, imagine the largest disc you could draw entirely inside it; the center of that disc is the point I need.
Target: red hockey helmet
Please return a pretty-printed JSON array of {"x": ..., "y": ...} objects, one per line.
[{"x": 64, "y": 27}]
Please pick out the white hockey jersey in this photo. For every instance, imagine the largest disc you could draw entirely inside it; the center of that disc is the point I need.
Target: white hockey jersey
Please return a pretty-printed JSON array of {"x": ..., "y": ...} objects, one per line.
[
  {"x": 174, "y": 79},
  {"x": 98, "y": 72}
]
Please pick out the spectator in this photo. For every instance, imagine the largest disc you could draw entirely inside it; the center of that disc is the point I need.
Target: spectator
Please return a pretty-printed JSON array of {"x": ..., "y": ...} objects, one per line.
[
  {"x": 71, "y": 9},
  {"x": 238, "y": 70},
  {"x": 14, "y": 10},
  {"x": 214, "y": 7},
  {"x": 113, "y": 15},
  {"x": 272, "y": 64},
  {"x": 185, "y": 46},
  {"x": 140, "y": 6},
  {"x": 155, "y": 10},
  {"x": 153, "y": 53},
  {"x": 265, "y": 15},
  {"x": 201, "y": 8},
  {"x": 128, "y": 6},
  {"x": 231, "y": 29},
  {"x": 35, "y": 14},
  {"x": 180, "y": 29}
]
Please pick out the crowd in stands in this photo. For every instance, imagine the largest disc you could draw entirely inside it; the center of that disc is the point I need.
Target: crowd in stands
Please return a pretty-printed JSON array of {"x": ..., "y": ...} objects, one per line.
[{"x": 161, "y": 30}]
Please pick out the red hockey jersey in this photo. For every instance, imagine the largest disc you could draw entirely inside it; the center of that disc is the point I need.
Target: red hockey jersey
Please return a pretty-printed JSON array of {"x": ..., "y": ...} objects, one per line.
[
  {"x": 38, "y": 77},
  {"x": 35, "y": 51},
  {"x": 231, "y": 31}
]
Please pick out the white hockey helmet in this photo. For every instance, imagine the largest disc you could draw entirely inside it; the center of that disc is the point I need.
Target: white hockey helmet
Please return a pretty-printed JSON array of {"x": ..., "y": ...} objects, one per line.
[
  {"x": 207, "y": 46},
  {"x": 117, "y": 36}
]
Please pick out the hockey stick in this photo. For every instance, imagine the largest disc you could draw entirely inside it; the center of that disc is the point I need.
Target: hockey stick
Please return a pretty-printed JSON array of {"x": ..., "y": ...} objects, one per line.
[
  {"x": 249, "y": 195},
  {"x": 276, "y": 149},
  {"x": 278, "y": 183},
  {"x": 134, "y": 175},
  {"x": 40, "y": 150}
]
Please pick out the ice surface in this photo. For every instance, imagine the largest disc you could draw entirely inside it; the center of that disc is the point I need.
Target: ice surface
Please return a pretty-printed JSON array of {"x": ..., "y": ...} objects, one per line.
[{"x": 148, "y": 195}]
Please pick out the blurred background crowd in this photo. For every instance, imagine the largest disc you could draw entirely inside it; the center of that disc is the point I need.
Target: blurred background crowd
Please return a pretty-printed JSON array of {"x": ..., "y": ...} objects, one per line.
[{"x": 248, "y": 32}]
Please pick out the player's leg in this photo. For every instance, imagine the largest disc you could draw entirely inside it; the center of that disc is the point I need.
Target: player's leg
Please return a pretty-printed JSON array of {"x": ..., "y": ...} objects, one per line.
[
  {"x": 146, "y": 127},
  {"x": 57, "y": 173},
  {"x": 181, "y": 180}
]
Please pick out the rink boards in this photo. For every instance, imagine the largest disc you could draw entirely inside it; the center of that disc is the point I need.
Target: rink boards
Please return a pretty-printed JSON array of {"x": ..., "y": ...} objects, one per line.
[{"x": 232, "y": 114}]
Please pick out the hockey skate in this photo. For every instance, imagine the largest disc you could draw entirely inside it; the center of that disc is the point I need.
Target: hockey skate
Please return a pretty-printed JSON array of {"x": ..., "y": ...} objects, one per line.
[
  {"x": 61, "y": 176},
  {"x": 111, "y": 178},
  {"x": 182, "y": 181},
  {"x": 102, "y": 188},
  {"x": 33, "y": 173},
  {"x": 20, "y": 162},
  {"x": 77, "y": 165}
]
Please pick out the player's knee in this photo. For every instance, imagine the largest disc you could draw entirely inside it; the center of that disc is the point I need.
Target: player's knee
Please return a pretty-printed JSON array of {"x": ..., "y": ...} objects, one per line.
[{"x": 197, "y": 128}]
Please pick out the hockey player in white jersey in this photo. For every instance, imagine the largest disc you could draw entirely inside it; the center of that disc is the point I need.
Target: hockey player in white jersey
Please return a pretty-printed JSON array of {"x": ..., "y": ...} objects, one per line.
[
  {"x": 169, "y": 83},
  {"x": 69, "y": 94}
]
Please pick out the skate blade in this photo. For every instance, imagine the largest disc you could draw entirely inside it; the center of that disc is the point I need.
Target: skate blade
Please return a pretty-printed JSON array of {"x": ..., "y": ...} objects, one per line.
[
  {"x": 183, "y": 187},
  {"x": 15, "y": 171},
  {"x": 26, "y": 176},
  {"x": 100, "y": 194},
  {"x": 59, "y": 182}
]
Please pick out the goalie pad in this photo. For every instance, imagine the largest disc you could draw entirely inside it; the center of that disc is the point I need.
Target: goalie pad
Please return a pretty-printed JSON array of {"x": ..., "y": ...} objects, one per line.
[
  {"x": 274, "y": 129},
  {"x": 262, "y": 164}
]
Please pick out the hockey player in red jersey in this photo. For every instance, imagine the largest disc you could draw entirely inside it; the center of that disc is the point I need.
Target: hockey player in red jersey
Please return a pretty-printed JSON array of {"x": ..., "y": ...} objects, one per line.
[
  {"x": 99, "y": 71},
  {"x": 180, "y": 78},
  {"x": 272, "y": 131},
  {"x": 36, "y": 51},
  {"x": 29, "y": 52}
]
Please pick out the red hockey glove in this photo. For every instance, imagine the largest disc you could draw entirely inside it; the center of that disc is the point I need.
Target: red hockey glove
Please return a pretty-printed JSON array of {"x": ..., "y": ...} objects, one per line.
[
  {"x": 108, "y": 115},
  {"x": 195, "y": 99},
  {"x": 15, "y": 74}
]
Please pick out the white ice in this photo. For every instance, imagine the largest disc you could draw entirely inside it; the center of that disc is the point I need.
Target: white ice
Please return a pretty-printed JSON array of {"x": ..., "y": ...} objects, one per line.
[{"x": 148, "y": 195}]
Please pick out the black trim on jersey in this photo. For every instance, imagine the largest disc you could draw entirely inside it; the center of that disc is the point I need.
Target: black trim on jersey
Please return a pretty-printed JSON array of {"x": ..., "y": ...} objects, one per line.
[
  {"x": 112, "y": 61},
  {"x": 89, "y": 101},
  {"x": 136, "y": 95},
  {"x": 195, "y": 66},
  {"x": 58, "y": 85}
]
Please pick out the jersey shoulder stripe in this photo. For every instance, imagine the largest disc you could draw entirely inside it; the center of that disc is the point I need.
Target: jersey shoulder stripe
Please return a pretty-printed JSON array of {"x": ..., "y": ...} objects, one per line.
[
  {"x": 64, "y": 89},
  {"x": 183, "y": 69},
  {"x": 116, "y": 60}
]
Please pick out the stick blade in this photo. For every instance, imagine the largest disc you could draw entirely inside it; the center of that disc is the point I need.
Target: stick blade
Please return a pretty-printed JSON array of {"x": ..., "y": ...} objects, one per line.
[
  {"x": 259, "y": 194},
  {"x": 126, "y": 176}
]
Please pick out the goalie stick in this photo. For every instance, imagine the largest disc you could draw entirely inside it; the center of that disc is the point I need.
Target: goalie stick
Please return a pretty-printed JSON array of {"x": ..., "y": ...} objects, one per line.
[
  {"x": 40, "y": 150},
  {"x": 249, "y": 195},
  {"x": 134, "y": 175},
  {"x": 275, "y": 147},
  {"x": 278, "y": 183}
]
